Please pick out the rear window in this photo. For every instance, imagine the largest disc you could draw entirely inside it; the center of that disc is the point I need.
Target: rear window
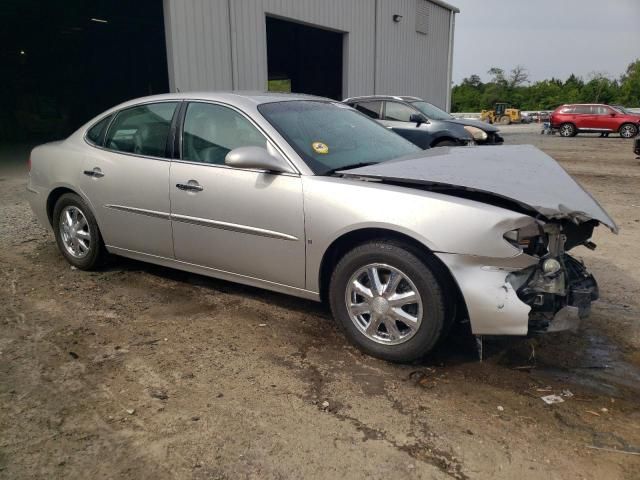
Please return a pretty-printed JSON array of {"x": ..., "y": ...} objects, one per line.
[
  {"x": 142, "y": 130},
  {"x": 582, "y": 109},
  {"x": 95, "y": 135},
  {"x": 566, "y": 110},
  {"x": 370, "y": 109}
]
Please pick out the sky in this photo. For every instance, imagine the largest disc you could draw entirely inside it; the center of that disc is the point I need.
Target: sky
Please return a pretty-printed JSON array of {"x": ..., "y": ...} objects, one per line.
[{"x": 551, "y": 38}]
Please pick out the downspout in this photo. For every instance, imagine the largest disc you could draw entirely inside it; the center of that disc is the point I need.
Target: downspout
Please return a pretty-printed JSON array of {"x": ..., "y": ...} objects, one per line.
[{"x": 452, "y": 24}]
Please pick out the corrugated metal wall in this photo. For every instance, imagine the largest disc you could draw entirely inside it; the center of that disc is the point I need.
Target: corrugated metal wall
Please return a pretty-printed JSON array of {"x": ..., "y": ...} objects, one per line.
[
  {"x": 221, "y": 44},
  {"x": 411, "y": 63}
]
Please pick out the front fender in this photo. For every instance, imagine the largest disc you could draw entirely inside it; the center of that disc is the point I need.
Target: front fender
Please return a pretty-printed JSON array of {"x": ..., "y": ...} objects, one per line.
[{"x": 336, "y": 206}]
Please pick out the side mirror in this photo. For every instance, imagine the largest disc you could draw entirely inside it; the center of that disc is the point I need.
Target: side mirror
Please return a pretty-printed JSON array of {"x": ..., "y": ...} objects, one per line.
[
  {"x": 417, "y": 119},
  {"x": 256, "y": 158}
]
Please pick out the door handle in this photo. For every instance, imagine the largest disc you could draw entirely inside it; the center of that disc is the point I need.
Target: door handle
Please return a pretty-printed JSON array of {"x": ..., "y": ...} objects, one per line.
[
  {"x": 189, "y": 187},
  {"x": 96, "y": 173}
]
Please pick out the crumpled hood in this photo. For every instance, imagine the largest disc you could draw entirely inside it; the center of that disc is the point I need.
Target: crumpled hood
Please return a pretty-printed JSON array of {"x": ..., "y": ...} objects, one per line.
[
  {"x": 487, "y": 127},
  {"x": 519, "y": 173}
]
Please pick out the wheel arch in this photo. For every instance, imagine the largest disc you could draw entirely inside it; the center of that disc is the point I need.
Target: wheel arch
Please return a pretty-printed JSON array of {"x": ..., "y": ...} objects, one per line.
[
  {"x": 636, "y": 125},
  {"x": 349, "y": 240},
  {"x": 60, "y": 190},
  {"x": 576, "y": 130},
  {"x": 444, "y": 138}
]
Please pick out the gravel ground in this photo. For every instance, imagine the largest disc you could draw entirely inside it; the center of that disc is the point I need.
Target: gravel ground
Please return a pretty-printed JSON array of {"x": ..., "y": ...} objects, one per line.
[{"x": 138, "y": 371}]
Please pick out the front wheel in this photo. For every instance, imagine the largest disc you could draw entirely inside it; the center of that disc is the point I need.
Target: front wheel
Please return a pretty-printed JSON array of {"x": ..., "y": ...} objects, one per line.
[
  {"x": 77, "y": 233},
  {"x": 567, "y": 130},
  {"x": 388, "y": 301},
  {"x": 628, "y": 130},
  {"x": 445, "y": 143}
]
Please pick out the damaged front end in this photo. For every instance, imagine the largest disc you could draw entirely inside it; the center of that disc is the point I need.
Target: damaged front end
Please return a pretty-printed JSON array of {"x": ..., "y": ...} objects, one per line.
[{"x": 558, "y": 288}]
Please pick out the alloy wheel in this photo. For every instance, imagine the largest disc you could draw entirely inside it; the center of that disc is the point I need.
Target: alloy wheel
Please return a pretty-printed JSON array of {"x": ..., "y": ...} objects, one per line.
[
  {"x": 74, "y": 232},
  {"x": 566, "y": 130},
  {"x": 627, "y": 131},
  {"x": 384, "y": 304}
]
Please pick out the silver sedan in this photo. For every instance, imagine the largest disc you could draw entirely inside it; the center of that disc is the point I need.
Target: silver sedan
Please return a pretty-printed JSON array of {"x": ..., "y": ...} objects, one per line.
[{"x": 307, "y": 196}]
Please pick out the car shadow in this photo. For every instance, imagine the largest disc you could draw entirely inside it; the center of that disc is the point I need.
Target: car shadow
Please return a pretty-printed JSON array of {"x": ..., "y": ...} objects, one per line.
[{"x": 575, "y": 357}]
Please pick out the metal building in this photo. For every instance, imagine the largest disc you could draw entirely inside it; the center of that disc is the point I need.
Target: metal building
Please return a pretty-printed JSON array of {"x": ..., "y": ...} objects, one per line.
[
  {"x": 335, "y": 48},
  {"x": 106, "y": 52}
]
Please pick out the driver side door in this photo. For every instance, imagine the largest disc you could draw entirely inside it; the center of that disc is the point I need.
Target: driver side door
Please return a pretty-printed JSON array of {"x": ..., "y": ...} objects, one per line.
[
  {"x": 397, "y": 118},
  {"x": 240, "y": 222}
]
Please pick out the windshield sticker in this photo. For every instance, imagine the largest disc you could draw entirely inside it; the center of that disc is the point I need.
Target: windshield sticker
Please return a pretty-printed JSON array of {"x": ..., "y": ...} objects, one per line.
[{"x": 320, "y": 148}]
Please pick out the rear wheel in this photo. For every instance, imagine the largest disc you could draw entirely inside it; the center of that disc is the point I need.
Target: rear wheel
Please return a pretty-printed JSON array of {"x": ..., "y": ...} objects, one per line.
[
  {"x": 388, "y": 301},
  {"x": 77, "y": 233},
  {"x": 567, "y": 130},
  {"x": 628, "y": 130}
]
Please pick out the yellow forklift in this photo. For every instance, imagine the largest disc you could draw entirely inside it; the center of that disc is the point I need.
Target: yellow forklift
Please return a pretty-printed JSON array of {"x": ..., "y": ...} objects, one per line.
[{"x": 502, "y": 113}]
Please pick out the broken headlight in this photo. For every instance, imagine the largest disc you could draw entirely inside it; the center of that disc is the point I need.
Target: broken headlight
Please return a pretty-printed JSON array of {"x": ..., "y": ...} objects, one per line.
[{"x": 530, "y": 239}]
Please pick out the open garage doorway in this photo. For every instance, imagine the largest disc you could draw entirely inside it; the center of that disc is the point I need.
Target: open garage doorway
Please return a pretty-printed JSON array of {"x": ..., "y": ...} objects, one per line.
[
  {"x": 64, "y": 62},
  {"x": 304, "y": 59}
]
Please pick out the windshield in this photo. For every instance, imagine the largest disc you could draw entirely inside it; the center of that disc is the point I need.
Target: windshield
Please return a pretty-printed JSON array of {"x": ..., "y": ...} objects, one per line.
[
  {"x": 431, "y": 111},
  {"x": 330, "y": 136},
  {"x": 620, "y": 108}
]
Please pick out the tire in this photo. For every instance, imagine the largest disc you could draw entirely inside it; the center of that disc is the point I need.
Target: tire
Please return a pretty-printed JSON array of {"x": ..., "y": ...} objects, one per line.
[
  {"x": 505, "y": 120},
  {"x": 445, "y": 143},
  {"x": 628, "y": 130},
  {"x": 80, "y": 242},
  {"x": 400, "y": 342},
  {"x": 567, "y": 130}
]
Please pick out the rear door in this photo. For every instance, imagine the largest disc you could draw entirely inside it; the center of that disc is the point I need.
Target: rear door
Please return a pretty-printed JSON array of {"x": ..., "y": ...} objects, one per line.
[
  {"x": 126, "y": 179},
  {"x": 244, "y": 222},
  {"x": 584, "y": 117}
]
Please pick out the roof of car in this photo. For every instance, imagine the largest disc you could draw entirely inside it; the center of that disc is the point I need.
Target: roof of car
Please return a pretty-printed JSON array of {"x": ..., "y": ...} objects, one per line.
[
  {"x": 574, "y": 104},
  {"x": 234, "y": 97},
  {"x": 404, "y": 98}
]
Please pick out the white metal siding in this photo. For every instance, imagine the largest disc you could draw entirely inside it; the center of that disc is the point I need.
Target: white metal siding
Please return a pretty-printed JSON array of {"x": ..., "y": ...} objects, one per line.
[
  {"x": 412, "y": 63},
  {"x": 198, "y": 46},
  {"x": 221, "y": 44}
]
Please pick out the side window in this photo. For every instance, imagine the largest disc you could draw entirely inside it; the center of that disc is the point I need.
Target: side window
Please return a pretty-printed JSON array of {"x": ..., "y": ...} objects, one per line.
[
  {"x": 95, "y": 135},
  {"x": 398, "y": 112},
  {"x": 602, "y": 110},
  {"x": 142, "y": 130},
  {"x": 211, "y": 131},
  {"x": 582, "y": 110},
  {"x": 370, "y": 109}
]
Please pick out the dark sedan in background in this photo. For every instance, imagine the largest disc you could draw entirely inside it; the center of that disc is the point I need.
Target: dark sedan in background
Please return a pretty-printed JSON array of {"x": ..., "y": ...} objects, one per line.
[{"x": 424, "y": 124}]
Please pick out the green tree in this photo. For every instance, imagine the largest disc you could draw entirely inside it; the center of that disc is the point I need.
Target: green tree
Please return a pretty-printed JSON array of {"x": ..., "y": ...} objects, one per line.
[{"x": 630, "y": 85}]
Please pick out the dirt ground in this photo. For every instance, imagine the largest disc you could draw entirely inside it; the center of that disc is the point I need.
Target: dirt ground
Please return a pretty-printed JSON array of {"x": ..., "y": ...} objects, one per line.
[{"x": 138, "y": 371}]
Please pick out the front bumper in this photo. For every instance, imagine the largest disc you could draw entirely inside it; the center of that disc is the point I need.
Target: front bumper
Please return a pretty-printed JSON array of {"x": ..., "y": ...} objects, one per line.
[
  {"x": 558, "y": 303},
  {"x": 507, "y": 297}
]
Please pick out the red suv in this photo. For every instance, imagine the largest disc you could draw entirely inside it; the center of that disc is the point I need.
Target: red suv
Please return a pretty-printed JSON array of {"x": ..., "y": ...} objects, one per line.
[{"x": 570, "y": 120}]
